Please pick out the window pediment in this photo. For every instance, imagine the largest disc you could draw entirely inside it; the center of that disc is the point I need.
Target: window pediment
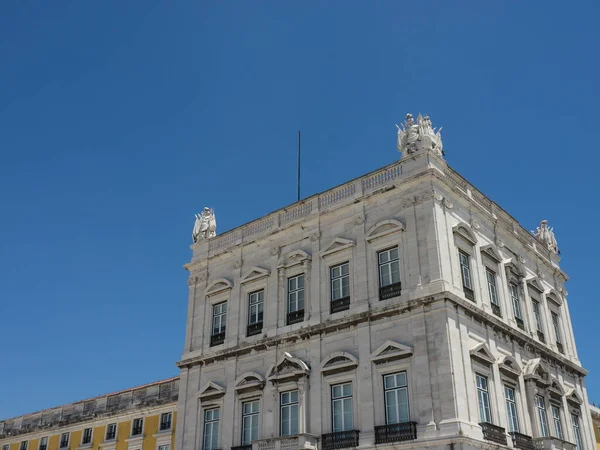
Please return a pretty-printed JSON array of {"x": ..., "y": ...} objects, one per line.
[
  {"x": 536, "y": 370},
  {"x": 211, "y": 391},
  {"x": 555, "y": 388},
  {"x": 288, "y": 368},
  {"x": 465, "y": 232},
  {"x": 482, "y": 353},
  {"x": 384, "y": 228},
  {"x": 338, "y": 362},
  {"x": 491, "y": 252},
  {"x": 510, "y": 366},
  {"x": 217, "y": 286},
  {"x": 337, "y": 245},
  {"x": 255, "y": 274},
  {"x": 515, "y": 269},
  {"x": 574, "y": 398},
  {"x": 391, "y": 351},
  {"x": 554, "y": 297},
  {"x": 249, "y": 382},
  {"x": 293, "y": 258},
  {"x": 535, "y": 284}
]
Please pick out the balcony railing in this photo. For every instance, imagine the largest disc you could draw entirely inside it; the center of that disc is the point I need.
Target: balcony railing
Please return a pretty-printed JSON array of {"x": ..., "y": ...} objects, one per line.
[
  {"x": 390, "y": 291},
  {"x": 341, "y": 304},
  {"x": 552, "y": 443},
  {"x": 541, "y": 337},
  {"x": 493, "y": 433},
  {"x": 242, "y": 447},
  {"x": 469, "y": 294},
  {"x": 295, "y": 317},
  {"x": 111, "y": 436},
  {"x": 520, "y": 323},
  {"x": 300, "y": 441},
  {"x": 396, "y": 432},
  {"x": 137, "y": 431},
  {"x": 522, "y": 441},
  {"x": 496, "y": 310},
  {"x": 165, "y": 425},
  {"x": 254, "y": 329},
  {"x": 341, "y": 439},
  {"x": 217, "y": 339}
]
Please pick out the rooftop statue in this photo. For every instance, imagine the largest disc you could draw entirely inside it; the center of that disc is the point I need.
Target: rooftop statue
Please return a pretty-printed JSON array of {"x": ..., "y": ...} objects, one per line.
[
  {"x": 205, "y": 226},
  {"x": 413, "y": 137},
  {"x": 545, "y": 236}
]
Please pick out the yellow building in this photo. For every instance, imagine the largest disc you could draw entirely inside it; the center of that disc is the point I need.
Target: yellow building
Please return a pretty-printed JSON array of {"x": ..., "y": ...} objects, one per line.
[
  {"x": 596, "y": 420},
  {"x": 140, "y": 418}
]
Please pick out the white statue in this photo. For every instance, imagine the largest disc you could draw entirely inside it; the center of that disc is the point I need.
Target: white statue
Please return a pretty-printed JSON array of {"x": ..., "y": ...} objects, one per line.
[
  {"x": 421, "y": 136},
  {"x": 545, "y": 236},
  {"x": 205, "y": 225}
]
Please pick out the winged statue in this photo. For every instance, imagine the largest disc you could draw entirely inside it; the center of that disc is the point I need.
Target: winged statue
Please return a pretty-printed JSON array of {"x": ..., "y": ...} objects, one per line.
[
  {"x": 545, "y": 236},
  {"x": 413, "y": 137},
  {"x": 205, "y": 226}
]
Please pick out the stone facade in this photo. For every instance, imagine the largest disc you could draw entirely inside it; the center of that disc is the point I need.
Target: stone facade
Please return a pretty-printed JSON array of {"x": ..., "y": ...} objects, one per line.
[{"x": 437, "y": 329}]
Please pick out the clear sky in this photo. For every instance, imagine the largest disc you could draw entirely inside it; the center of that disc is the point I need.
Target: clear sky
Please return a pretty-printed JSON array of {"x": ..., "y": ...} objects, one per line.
[{"x": 120, "y": 120}]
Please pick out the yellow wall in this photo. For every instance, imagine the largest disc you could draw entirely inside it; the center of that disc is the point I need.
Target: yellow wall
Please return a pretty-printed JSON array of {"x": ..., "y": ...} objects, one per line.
[{"x": 597, "y": 431}]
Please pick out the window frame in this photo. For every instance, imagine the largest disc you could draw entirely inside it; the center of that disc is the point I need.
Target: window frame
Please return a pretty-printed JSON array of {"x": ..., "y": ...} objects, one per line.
[
  {"x": 555, "y": 317},
  {"x": 24, "y": 445},
  {"x": 291, "y": 292},
  {"x": 341, "y": 277},
  {"x": 106, "y": 438},
  {"x": 133, "y": 427},
  {"x": 465, "y": 266},
  {"x": 161, "y": 421},
  {"x": 542, "y": 415},
  {"x": 289, "y": 405},
  {"x": 512, "y": 419},
  {"x": 253, "y": 415},
  {"x": 577, "y": 431},
  {"x": 493, "y": 284},
  {"x": 341, "y": 400},
  {"x": 61, "y": 440},
  {"x": 557, "y": 420},
  {"x": 485, "y": 391},
  {"x": 83, "y": 436},
  {"x": 222, "y": 322},
  {"x": 388, "y": 264},
  {"x": 45, "y": 445},
  {"x": 212, "y": 423},
  {"x": 259, "y": 303},
  {"x": 396, "y": 389},
  {"x": 515, "y": 299}
]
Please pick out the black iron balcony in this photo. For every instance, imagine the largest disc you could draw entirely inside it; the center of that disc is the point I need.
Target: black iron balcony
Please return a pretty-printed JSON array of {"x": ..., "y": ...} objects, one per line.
[
  {"x": 496, "y": 310},
  {"x": 493, "y": 433},
  {"x": 396, "y": 432},
  {"x": 165, "y": 425},
  {"x": 560, "y": 348},
  {"x": 541, "y": 337},
  {"x": 522, "y": 441},
  {"x": 390, "y": 291},
  {"x": 242, "y": 447},
  {"x": 469, "y": 293},
  {"x": 341, "y": 439},
  {"x": 295, "y": 317},
  {"x": 341, "y": 304},
  {"x": 111, "y": 435},
  {"x": 137, "y": 431},
  {"x": 64, "y": 444},
  {"x": 43, "y": 447},
  {"x": 217, "y": 339},
  {"x": 254, "y": 329},
  {"x": 520, "y": 323}
]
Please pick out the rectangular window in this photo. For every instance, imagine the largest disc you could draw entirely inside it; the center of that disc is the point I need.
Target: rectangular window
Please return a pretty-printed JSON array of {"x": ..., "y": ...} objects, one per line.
[
  {"x": 219, "y": 323},
  {"x": 165, "y": 421},
  {"x": 138, "y": 426},
  {"x": 211, "y": 429},
  {"x": 341, "y": 407},
  {"x": 295, "y": 303},
  {"x": 556, "y": 420},
  {"x": 6, "y": 447},
  {"x": 87, "y": 436},
  {"x": 492, "y": 290},
  {"x": 256, "y": 302},
  {"x": 484, "y": 399},
  {"x": 24, "y": 445},
  {"x": 43, "y": 444},
  {"x": 340, "y": 287},
  {"x": 576, "y": 431},
  {"x": 64, "y": 440},
  {"x": 511, "y": 409},
  {"x": 556, "y": 325},
  {"x": 465, "y": 272},
  {"x": 389, "y": 267},
  {"x": 396, "y": 398},
  {"x": 289, "y": 413},
  {"x": 111, "y": 431},
  {"x": 516, "y": 301},
  {"x": 250, "y": 412},
  {"x": 538, "y": 316},
  {"x": 540, "y": 404},
  {"x": 164, "y": 447}
]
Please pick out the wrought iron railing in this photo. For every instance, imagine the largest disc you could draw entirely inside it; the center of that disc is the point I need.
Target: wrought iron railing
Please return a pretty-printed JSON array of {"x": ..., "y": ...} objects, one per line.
[
  {"x": 254, "y": 329},
  {"x": 396, "y": 432},
  {"x": 295, "y": 317},
  {"x": 522, "y": 441},
  {"x": 469, "y": 294},
  {"x": 340, "y": 304},
  {"x": 520, "y": 323},
  {"x": 242, "y": 447},
  {"x": 340, "y": 439},
  {"x": 165, "y": 425},
  {"x": 493, "y": 433},
  {"x": 217, "y": 339},
  {"x": 389, "y": 291}
]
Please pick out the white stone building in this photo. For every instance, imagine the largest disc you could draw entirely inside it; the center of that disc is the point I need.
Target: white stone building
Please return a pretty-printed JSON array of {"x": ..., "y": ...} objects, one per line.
[{"x": 402, "y": 309}]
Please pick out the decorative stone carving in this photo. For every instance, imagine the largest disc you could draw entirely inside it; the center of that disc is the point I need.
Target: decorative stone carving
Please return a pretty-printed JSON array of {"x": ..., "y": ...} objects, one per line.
[
  {"x": 413, "y": 137},
  {"x": 205, "y": 225},
  {"x": 275, "y": 251},
  {"x": 545, "y": 236},
  {"x": 499, "y": 242},
  {"x": 314, "y": 237},
  {"x": 360, "y": 219},
  {"x": 475, "y": 225}
]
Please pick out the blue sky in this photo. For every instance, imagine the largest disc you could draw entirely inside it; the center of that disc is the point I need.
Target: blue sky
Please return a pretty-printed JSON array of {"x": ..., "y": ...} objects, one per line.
[{"x": 120, "y": 120}]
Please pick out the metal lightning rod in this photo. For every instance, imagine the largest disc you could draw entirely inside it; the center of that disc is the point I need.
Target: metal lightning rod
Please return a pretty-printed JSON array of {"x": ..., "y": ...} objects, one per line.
[{"x": 298, "y": 165}]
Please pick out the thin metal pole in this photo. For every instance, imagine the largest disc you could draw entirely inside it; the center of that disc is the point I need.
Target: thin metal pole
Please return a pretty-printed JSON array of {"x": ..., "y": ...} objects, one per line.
[{"x": 298, "y": 165}]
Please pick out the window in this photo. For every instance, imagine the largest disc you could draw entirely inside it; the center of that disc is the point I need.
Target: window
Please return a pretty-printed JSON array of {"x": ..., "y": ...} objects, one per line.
[
  {"x": 340, "y": 287},
  {"x": 64, "y": 440},
  {"x": 24, "y": 445},
  {"x": 6, "y": 447},
  {"x": 556, "y": 420},
  {"x": 295, "y": 311},
  {"x": 87, "y": 436},
  {"x": 576, "y": 431},
  {"x": 289, "y": 413},
  {"x": 256, "y": 302},
  {"x": 164, "y": 447},
  {"x": 556, "y": 325},
  {"x": 389, "y": 273},
  {"x": 541, "y": 407},
  {"x": 341, "y": 407},
  {"x": 211, "y": 429},
  {"x": 165, "y": 421},
  {"x": 396, "y": 398},
  {"x": 111, "y": 431},
  {"x": 514, "y": 296},
  {"x": 538, "y": 319},
  {"x": 43, "y": 444},
  {"x": 219, "y": 323},
  {"x": 511, "y": 409},
  {"x": 492, "y": 290},
  {"x": 484, "y": 399},
  {"x": 465, "y": 271},
  {"x": 250, "y": 422},
  {"x": 137, "y": 427}
]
